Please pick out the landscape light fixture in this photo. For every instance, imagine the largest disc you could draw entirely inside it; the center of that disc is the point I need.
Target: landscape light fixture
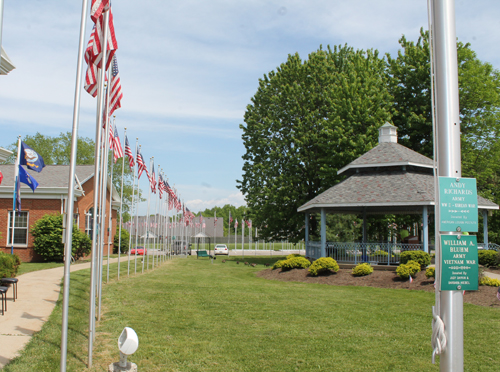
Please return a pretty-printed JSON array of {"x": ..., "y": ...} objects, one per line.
[{"x": 128, "y": 342}]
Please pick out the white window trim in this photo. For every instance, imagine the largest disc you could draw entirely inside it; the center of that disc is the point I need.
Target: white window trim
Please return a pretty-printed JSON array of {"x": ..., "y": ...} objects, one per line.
[{"x": 9, "y": 230}]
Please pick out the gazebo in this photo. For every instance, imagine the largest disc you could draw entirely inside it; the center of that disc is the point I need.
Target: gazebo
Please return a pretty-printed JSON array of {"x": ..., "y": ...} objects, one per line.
[{"x": 388, "y": 179}]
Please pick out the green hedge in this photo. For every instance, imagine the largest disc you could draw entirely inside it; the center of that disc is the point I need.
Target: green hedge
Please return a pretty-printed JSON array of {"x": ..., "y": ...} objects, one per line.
[
  {"x": 48, "y": 231},
  {"x": 362, "y": 269},
  {"x": 410, "y": 268},
  {"x": 487, "y": 257},
  {"x": 8, "y": 265},
  {"x": 423, "y": 258},
  {"x": 322, "y": 265}
]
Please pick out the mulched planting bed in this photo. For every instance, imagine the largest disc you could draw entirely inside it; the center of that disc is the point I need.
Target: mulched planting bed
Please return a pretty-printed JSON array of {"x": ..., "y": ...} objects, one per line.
[{"x": 485, "y": 296}]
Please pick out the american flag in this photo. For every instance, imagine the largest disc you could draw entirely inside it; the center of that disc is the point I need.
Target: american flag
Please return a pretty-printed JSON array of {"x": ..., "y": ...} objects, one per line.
[
  {"x": 115, "y": 95},
  {"x": 141, "y": 166},
  {"x": 160, "y": 185},
  {"x": 128, "y": 152},
  {"x": 236, "y": 224},
  {"x": 177, "y": 203},
  {"x": 230, "y": 218},
  {"x": 97, "y": 7},
  {"x": 117, "y": 146},
  {"x": 171, "y": 197},
  {"x": 411, "y": 279},
  {"x": 152, "y": 179}
]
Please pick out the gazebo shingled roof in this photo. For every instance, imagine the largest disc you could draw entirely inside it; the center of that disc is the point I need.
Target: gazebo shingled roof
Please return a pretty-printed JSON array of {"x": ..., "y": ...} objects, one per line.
[{"x": 390, "y": 178}]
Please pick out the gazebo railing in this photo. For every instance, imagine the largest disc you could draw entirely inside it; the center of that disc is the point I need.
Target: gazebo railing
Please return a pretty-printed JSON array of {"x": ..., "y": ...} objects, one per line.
[
  {"x": 350, "y": 252},
  {"x": 375, "y": 253}
]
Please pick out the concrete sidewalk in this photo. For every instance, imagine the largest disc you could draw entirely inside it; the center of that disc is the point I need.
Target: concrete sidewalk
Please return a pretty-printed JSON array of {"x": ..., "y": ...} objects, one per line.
[{"x": 38, "y": 292}]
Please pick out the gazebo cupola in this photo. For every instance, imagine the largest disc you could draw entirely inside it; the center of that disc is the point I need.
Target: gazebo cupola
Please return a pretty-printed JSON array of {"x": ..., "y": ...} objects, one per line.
[{"x": 388, "y": 133}]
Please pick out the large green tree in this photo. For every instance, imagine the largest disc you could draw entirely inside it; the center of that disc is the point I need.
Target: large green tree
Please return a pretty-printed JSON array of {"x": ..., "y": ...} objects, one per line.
[
  {"x": 479, "y": 94},
  {"x": 307, "y": 120}
]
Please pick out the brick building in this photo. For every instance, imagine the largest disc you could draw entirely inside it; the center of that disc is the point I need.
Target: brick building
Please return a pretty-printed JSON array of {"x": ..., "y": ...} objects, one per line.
[{"x": 50, "y": 197}]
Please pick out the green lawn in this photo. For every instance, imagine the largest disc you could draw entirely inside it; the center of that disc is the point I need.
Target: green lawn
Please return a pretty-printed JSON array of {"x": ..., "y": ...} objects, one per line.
[{"x": 192, "y": 315}]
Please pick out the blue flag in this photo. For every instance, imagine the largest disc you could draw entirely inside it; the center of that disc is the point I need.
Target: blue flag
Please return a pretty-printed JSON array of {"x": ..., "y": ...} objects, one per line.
[
  {"x": 25, "y": 178},
  {"x": 31, "y": 158},
  {"x": 18, "y": 195}
]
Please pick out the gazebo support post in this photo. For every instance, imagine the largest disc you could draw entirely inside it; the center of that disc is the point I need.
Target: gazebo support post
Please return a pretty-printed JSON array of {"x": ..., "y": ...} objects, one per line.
[
  {"x": 323, "y": 232},
  {"x": 426, "y": 230},
  {"x": 306, "y": 238},
  {"x": 485, "y": 228}
]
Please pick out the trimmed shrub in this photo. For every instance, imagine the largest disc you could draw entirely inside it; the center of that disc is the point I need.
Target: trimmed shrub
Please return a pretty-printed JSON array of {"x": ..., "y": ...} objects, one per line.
[
  {"x": 430, "y": 272},
  {"x": 8, "y": 265},
  {"x": 487, "y": 257},
  {"x": 403, "y": 271},
  {"x": 485, "y": 280},
  {"x": 292, "y": 256},
  {"x": 423, "y": 258},
  {"x": 322, "y": 265},
  {"x": 410, "y": 268},
  {"x": 295, "y": 263},
  {"x": 47, "y": 232},
  {"x": 362, "y": 269},
  {"x": 123, "y": 243},
  {"x": 277, "y": 264}
]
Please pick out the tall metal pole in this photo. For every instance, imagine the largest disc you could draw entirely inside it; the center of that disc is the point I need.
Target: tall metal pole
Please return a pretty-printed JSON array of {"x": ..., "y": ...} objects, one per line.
[
  {"x": 121, "y": 204},
  {"x": 110, "y": 217},
  {"x": 71, "y": 187},
  {"x": 449, "y": 163},
  {"x": 93, "y": 270},
  {"x": 1, "y": 24}
]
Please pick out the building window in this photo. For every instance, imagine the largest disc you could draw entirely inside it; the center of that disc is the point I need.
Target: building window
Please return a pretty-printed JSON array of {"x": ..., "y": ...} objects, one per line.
[
  {"x": 20, "y": 231},
  {"x": 76, "y": 219},
  {"x": 89, "y": 222}
]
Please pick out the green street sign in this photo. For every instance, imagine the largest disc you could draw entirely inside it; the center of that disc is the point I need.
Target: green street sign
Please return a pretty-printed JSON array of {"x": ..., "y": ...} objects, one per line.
[
  {"x": 458, "y": 204},
  {"x": 459, "y": 266}
]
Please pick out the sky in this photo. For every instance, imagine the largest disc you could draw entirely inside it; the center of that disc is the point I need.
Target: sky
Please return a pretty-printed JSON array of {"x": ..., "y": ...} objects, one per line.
[{"x": 189, "y": 69}]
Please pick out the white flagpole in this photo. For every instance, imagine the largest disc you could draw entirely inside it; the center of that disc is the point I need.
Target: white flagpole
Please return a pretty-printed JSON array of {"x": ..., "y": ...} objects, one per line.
[
  {"x": 136, "y": 209},
  {"x": 121, "y": 205},
  {"x": 146, "y": 235},
  {"x": 235, "y": 235},
  {"x": 243, "y": 237},
  {"x": 96, "y": 187},
  {"x": 71, "y": 185},
  {"x": 104, "y": 196},
  {"x": 110, "y": 220},
  {"x": 16, "y": 176}
]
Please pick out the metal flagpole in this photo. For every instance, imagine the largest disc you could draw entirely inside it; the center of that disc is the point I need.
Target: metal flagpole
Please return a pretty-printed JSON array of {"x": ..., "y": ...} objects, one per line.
[
  {"x": 121, "y": 204},
  {"x": 132, "y": 208},
  {"x": 229, "y": 230},
  {"x": 93, "y": 277},
  {"x": 156, "y": 221},
  {"x": 235, "y": 234},
  {"x": 71, "y": 188},
  {"x": 110, "y": 219},
  {"x": 449, "y": 164},
  {"x": 16, "y": 176},
  {"x": 146, "y": 235},
  {"x": 104, "y": 197},
  {"x": 243, "y": 236},
  {"x": 1, "y": 23}
]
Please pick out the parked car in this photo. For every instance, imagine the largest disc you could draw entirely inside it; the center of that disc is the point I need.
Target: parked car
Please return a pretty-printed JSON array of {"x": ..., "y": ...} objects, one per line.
[
  {"x": 221, "y": 249},
  {"x": 181, "y": 246},
  {"x": 140, "y": 251}
]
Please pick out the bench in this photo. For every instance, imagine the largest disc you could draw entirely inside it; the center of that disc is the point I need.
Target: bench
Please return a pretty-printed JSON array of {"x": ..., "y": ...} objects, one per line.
[{"x": 202, "y": 254}]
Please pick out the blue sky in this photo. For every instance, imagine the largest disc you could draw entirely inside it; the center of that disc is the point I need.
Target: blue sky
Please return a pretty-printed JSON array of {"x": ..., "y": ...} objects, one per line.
[{"x": 189, "y": 69}]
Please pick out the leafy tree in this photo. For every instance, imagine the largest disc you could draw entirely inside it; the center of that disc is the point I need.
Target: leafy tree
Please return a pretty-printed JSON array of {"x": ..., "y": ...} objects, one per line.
[
  {"x": 57, "y": 150},
  {"x": 48, "y": 231},
  {"x": 479, "y": 92},
  {"x": 307, "y": 120}
]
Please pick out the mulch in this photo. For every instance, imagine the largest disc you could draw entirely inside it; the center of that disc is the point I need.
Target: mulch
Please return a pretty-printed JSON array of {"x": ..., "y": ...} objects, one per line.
[{"x": 485, "y": 296}]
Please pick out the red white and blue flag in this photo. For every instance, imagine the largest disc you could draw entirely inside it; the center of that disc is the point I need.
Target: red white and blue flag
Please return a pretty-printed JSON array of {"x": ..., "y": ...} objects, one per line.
[
  {"x": 152, "y": 178},
  {"x": 128, "y": 152},
  {"x": 117, "y": 147},
  {"x": 141, "y": 166}
]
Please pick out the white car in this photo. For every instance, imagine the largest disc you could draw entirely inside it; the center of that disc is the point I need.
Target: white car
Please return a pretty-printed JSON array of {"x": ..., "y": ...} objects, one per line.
[{"x": 221, "y": 249}]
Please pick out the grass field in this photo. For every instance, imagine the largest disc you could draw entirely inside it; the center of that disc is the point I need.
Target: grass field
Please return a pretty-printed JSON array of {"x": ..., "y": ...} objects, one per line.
[{"x": 192, "y": 315}]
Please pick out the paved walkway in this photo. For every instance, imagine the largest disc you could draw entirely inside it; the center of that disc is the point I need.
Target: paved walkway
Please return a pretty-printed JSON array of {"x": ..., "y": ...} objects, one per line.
[{"x": 38, "y": 292}]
